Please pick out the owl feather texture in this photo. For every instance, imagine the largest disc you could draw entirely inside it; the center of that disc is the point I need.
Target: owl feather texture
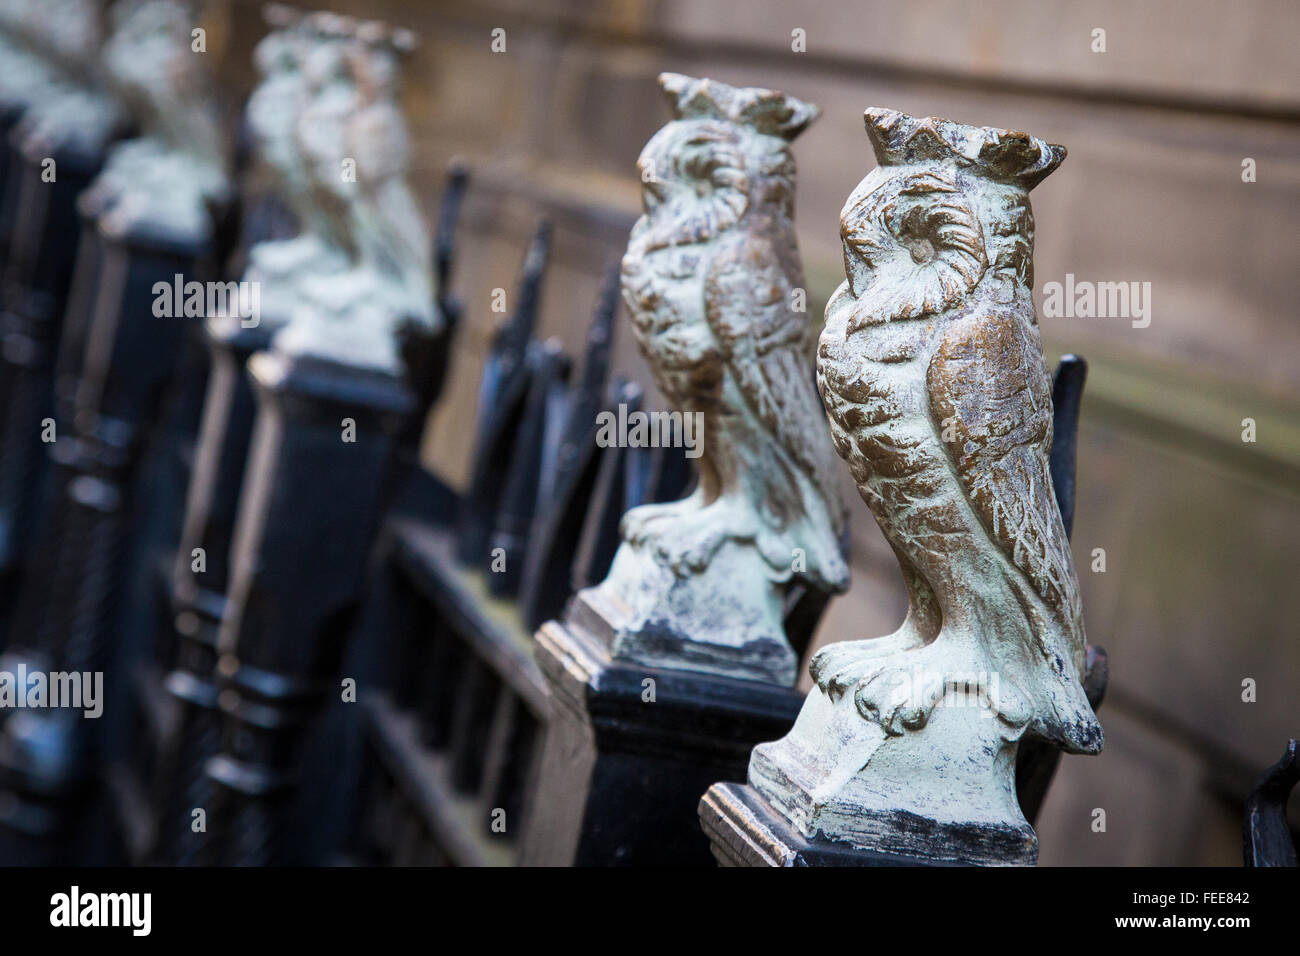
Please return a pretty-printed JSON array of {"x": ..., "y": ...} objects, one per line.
[
  {"x": 714, "y": 288},
  {"x": 935, "y": 385}
]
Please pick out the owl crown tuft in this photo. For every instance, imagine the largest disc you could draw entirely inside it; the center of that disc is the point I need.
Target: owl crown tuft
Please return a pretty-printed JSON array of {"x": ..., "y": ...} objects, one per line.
[
  {"x": 766, "y": 111},
  {"x": 322, "y": 24},
  {"x": 1005, "y": 156}
]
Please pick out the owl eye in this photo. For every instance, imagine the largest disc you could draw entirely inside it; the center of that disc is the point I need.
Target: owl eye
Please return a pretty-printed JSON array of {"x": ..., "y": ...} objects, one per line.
[
  {"x": 702, "y": 165},
  {"x": 939, "y": 229},
  {"x": 718, "y": 168},
  {"x": 919, "y": 235}
]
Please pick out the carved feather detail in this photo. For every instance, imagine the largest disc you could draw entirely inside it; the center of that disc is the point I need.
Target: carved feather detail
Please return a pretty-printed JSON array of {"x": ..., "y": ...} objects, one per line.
[
  {"x": 989, "y": 385},
  {"x": 766, "y": 345}
]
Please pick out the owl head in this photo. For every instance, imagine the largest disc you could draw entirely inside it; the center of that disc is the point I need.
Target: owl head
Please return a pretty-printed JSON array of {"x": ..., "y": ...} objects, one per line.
[
  {"x": 282, "y": 91},
  {"x": 944, "y": 216},
  {"x": 148, "y": 56},
  {"x": 351, "y": 81},
  {"x": 726, "y": 151}
]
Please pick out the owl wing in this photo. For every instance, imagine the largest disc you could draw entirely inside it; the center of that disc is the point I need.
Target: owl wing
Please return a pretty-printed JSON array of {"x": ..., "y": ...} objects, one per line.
[
  {"x": 989, "y": 389},
  {"x": 767, "y": 347}
]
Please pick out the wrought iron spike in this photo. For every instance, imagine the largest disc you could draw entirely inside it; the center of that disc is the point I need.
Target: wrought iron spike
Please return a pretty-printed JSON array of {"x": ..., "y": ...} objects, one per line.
[
  {"x": 1067, "y": 394},
  {"x": 673, "y": 476},
  {"x": 427, "y": 357},
  {"x": 621, "y": 475},
  {"x": 542, "y": 417},
  {"x": 589, "y": 398},
  {"x": 512, "y": 338},
  {"x": 562, "y": 512},
  {"x": 1267, "y": 838},
  {"x": 502, "y": 391},
  {"x": 600, "y": 336},
  {"x": 444, "y": 237}
]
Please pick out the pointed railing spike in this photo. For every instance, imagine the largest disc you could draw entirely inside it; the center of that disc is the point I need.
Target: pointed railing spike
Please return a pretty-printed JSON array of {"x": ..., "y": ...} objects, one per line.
[
  {"x": 563, "y": 509},
  {"x": 528, "y": 463},
  {"x": 1067, "y": 394},
  {"x": 600, "y": 336},
  {"x": 502, "y": 392},
  {"x": 512, "y": 338},
  {"x": 444, "y": 237},
  {"x": 1267, "y": 837}
]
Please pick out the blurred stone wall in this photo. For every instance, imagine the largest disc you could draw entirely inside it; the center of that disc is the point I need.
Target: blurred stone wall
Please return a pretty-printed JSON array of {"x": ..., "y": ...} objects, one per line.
[{"x": 1199, "y": 528}]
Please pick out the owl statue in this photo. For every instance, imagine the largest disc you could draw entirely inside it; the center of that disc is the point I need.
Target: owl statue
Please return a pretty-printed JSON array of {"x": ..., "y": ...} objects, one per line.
[
  {"x": 715, "y": 290},
  {"x": 283, "y": 266},
  {"x": 938, "y": 396},
  {"x": 352, "y": 139},
  {"x": 169, "y": 180}
]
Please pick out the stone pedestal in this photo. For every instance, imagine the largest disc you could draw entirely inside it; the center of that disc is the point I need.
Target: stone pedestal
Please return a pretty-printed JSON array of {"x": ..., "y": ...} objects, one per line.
[
  {"x": 744, "y": 830},
  {"x": 946, "y": 794},
  {"x": 309, "y": 509},
  {"x": 836, "y": 773},
  {"x": 726, "y": 618},
  {"x": 625, "y": 760}
]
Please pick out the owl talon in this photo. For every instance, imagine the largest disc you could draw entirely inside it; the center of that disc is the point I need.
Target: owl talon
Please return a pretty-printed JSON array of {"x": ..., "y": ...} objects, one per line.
[
  {"x": 639, "y": 524},
  {"x": 685, "y": 536},
  {"x": 692, "y": 554},
  {"x": 899, "y": 700},
  {"x": 837, "y": 667},
  {"x": 892, "y": 686}
]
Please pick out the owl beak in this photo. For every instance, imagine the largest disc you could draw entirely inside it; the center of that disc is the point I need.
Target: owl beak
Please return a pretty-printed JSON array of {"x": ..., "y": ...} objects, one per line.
[{"x": 651, "y": 187}]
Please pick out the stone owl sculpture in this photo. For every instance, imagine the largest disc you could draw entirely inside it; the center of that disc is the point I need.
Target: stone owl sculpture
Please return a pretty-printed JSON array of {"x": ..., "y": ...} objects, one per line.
[
  {"x": 170, "y": 178},
  {"x": 353, "y": 143},
  {"x": 714, "y": 288},
  {"x": 52, "y": 77},
  {"x": 939, "y": 399},
  {"x": 282, "y": 266}
]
